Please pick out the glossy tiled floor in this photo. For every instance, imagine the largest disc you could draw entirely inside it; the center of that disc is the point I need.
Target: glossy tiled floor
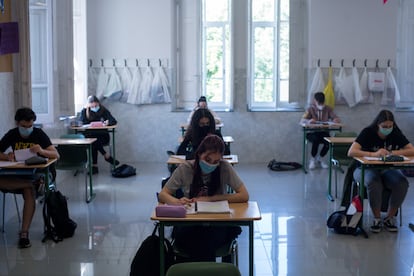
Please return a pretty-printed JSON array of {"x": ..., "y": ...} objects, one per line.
[{"x": 291, "y": 239}]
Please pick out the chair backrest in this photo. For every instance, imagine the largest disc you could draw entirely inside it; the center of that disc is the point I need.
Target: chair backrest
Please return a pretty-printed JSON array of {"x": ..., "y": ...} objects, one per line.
[
  {"x": 341, "y": 151},
  {"x": 71, "y": 155},
  {"x": 203, "y": 269}
]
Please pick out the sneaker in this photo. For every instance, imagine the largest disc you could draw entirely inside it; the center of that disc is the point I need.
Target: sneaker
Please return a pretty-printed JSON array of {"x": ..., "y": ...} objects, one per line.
[
  {"x": 24, "y": 241},
  {"x": 312, "y": 164},
  {"x": 110, "y": 160},
  {"x": 389, "y": 224},
  {"x": 324, "y": 165},
  {"x": 376, "y": 226}
]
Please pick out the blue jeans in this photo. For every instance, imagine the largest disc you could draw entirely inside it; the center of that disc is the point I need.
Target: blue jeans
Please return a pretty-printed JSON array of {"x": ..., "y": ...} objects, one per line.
[{"x": 378, "y": 180}]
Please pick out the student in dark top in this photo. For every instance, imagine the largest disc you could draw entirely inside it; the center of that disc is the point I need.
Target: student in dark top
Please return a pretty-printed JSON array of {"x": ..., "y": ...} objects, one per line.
[
  {"x": 22, "y": 137},
  {"x": 202, "y": 123},
  {"x": 96, "y": 112},
  {"x": 382, "y": 137}
]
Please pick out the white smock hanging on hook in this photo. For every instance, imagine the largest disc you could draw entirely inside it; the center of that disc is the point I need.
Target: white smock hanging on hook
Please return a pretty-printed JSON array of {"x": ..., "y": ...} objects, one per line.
[
  {"x": 357, "y": 88},
  {"x": 317, "y": 85},
  {"x": 101, "y": 83},
  {"x": 344, "y": 86},
  {"x": 92, "y": 80},
  {"x": 363, "y": 85},
  {"x": 144, "y": 96},
  {"x": 391, "y": 94},
  {"x": 133, "y": 89},
  {"x": 126, "y": 78},
  {"x": 113, "y": 88},
  {"x": 160, "y": 92}
]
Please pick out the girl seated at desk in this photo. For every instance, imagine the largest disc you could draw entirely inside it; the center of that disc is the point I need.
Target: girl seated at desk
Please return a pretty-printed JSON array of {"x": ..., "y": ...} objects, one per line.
[
  {"x": 204, "y": 179},
  {"x": 96, "y": 112}
]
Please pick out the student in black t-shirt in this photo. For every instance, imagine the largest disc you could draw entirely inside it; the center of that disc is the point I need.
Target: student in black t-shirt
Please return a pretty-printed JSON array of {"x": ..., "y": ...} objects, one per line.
[
  {"x": 22, "y": 137},
  {"x": 96, "y": 112},
  {"x": 383, "y": 137}
]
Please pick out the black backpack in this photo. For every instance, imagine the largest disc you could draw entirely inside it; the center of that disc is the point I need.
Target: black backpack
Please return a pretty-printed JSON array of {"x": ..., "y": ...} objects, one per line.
[
  {"x": 283, "y": 166},
  {"x": 124, "y": 171},
  {"x": 58, "y": 225},
  {"x": 147, "y": 259},
  {"x": 342, "y": 223}
]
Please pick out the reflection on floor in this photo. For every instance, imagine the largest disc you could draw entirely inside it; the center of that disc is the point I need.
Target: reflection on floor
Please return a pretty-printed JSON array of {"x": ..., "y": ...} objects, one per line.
[{"x": 291, "y": 239}]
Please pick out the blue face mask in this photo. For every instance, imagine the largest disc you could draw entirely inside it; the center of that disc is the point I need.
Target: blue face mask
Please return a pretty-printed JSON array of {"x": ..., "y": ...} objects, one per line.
[
  {"x": 95, "y": 109},
  {"x": 25, "y": 132},
  {"x": 207, "y": 168},
  {"x": 385, "y": 131}
]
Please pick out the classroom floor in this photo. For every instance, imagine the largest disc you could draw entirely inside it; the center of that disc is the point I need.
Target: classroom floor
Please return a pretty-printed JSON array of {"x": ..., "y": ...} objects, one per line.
[{"x": 291, "y": 238}]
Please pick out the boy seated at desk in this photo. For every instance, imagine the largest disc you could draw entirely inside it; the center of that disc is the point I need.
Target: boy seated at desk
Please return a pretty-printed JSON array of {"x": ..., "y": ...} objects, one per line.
[
  {"x": 316, "y": 113},
  {"x": 24, "y": 136}
]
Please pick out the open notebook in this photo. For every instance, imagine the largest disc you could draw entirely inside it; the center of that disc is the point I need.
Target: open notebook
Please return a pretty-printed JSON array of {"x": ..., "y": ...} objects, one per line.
[{"x": 208, "y": 207}]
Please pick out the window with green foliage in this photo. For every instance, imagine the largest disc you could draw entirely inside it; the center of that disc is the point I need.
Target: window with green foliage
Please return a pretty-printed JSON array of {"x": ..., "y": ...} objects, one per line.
[{"x": 269, "y": 54}]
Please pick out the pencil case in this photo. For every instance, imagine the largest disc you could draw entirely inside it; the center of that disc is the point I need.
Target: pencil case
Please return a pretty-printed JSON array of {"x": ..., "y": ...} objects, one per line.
[{"x": 173, "y": 211}]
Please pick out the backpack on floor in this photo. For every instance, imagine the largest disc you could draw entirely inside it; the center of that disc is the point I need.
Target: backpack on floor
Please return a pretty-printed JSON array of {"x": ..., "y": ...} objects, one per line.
[
  {"x": 57, "y": 222},
  {"x": 124, "y": 171},
  {"x": 348, "y": 221},
  {"x": 283, "y": 166},
  {"x": 147, "y": 259}
]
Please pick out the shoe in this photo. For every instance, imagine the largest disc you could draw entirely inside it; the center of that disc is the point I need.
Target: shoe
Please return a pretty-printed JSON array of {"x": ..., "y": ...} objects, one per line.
[
  {"x": 95, "y": 170},
  {"x": 312, "y": 164},
  {"x": 324, "y": 165},
  {"x": 389, "y": 224},
  {"x": 376, "y": 226},
  {"x": 24, "y": 241},
  {"x": 110, "y": 160}
]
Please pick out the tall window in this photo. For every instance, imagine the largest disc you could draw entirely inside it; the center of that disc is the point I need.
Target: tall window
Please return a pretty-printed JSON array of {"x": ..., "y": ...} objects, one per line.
[
  {"x": 40, "y": 14},
  {"x": 217, "y": 53},
  {"x": 268, "y": 54}
]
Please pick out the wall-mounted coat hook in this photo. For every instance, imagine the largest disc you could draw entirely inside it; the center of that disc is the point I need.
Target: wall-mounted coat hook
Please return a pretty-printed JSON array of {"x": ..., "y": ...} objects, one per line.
[
  {"x": 388, "y": 63},
  {"x": 353, "y": 63},
  {"x": 342, "y": 63},
  {"x": 90, "y": 62},
  {"x": 319, "y": 63},
  {"x": 376, "y": 63},
  {"x": 365, "y": 63},
  {"x": 330, "y": 63},
  {"x": 136, "y": 62},
  {"x": 113, "y": 62},
  {"x": 102, "y": 62},
  {"x": 148, "y": 62},
  {"x": 125, "y": 63}
]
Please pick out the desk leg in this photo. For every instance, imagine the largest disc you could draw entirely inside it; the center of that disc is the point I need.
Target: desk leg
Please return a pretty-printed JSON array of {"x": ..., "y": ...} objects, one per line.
[
  {"x": 251, "y": 245},
  {"x": 304, "y": 152},
  {"x": 162, "y": 257},
  {"x": 330, "y": 173},
  {"x": 91, "y": 194},
  {"x": 113, "y": 148}
]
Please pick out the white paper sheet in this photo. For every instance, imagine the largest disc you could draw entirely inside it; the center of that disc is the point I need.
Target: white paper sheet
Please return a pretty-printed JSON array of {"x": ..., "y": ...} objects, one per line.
[{"x": 23, "y": 154}]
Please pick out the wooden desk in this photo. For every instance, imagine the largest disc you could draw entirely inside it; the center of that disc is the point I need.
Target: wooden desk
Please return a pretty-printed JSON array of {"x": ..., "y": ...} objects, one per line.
[
  {"x": 110, "y": 129},
  {"x": 242, "y": 214},
  {"x": 178, "y": 159},
  {"x": 335, "y": 141},
  {"x": 21, "y": 166},
  {"x": 87, "y": 144},
  {"x": 307, "y": 128},
  {"x": 184, "y": 126}
]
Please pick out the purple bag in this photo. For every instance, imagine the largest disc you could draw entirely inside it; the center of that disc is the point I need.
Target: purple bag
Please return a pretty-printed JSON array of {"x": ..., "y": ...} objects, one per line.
[{"x": 173, "y": 211}]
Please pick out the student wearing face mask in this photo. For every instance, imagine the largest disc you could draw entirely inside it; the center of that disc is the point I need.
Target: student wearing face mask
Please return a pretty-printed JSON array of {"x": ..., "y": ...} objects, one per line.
[
  {"x": 22, "y": 137},
  {"x": 96, "y": 112},
  {"x": 204, "y": 179},
  {"x": 319, "y": 112},
  {"x": 202, "y": 103},
  {"x": 202, "y": 123},
  {"x": 382, "y": 137}
]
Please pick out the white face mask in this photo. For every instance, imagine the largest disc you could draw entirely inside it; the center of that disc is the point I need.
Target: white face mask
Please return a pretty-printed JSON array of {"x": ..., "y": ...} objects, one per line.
[{"x": 320, "y": 107}]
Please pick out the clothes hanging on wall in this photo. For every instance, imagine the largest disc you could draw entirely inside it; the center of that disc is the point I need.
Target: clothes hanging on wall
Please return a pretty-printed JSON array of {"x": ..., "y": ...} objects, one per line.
[
  {"x": 159, "y": 90},
  {"x": 318, "y": 84},
  {"x": 366, "y": 95},
  {"x": 134, "y": 86},
  {"x": 144, "y": 92},
  {"x": 329, "y": 91},
  {"x": 391, "y": 94}
]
